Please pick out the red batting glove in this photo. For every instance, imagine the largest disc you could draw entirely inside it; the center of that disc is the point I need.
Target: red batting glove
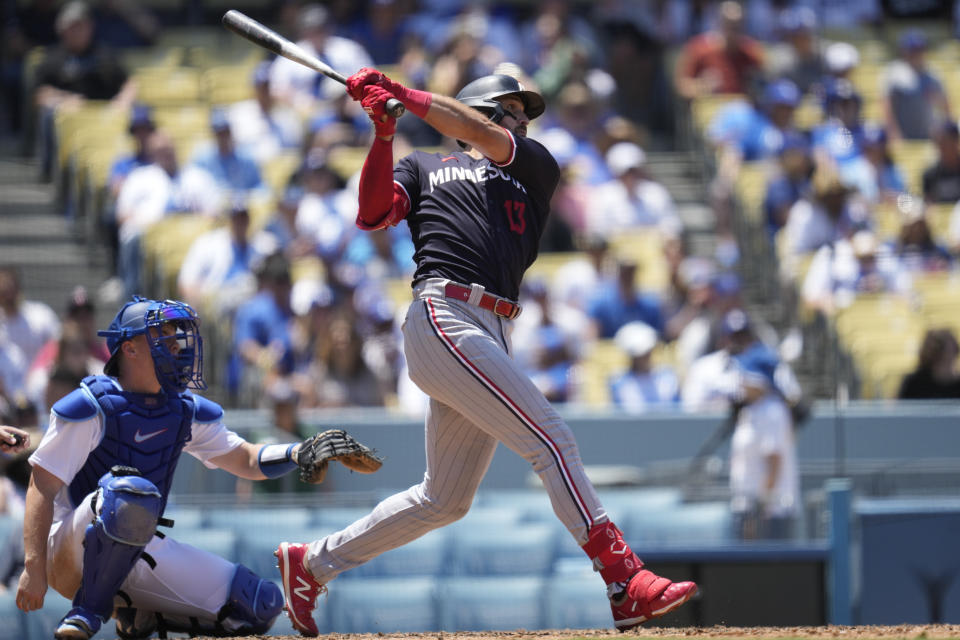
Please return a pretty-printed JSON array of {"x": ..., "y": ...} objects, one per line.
[
  {"x": 375, "y": 104},
  {"x": 366, "y": 76},
  {"x": 417, "y": 102}
]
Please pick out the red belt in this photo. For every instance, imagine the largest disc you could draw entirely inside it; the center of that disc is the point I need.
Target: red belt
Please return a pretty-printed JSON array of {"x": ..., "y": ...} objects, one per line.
[{"x": 490, "y": 302}]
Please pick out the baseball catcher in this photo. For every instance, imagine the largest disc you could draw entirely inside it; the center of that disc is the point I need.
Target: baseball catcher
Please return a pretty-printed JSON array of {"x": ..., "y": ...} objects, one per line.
[{"x": 101, "y": 479}]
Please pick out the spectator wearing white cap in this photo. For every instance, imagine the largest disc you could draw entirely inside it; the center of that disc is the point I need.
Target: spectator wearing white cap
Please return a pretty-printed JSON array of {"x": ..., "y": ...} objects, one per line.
[
  {"x": 262, "y": 126},
  {"x": 842, "y": 270},
  {"x": 303, "y": 88},
  {"x": 642, "y": 385},
  {"x": 632, "y": 200},
  {"x": 841, "y": 58}
]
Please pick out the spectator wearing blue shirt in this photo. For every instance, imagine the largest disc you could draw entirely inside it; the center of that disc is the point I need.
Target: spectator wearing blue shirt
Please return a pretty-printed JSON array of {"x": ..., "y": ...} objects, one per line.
[
  {"x": 790, "y": 183},
  {"x": 141, "y": 126},
  {"x": 874, "y": 173},
  {"x": 262, "y": 345},
  {"x": 641, "y": 385},
  {"x": 840, "y": 137},
  {"x": 617, "y": 302},
  {"x": 232, "y": 168},
  {"x": 756, "y": 131}
]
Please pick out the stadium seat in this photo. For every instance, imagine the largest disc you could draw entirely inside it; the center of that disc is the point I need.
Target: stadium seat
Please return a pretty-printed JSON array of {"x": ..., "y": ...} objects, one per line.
[
  {"x": 383, "y": 605},
  {"x": 255, "y": 546},
  {"x": 42, "y": 623},
  {"x": 685, "y": 524},
  {"x": 531, "y": 505},
  {"x": 577, "y": 601},
  {"x": 11, "y": 618},
  {"x": 492, "y": 603},
  {"x": 226, "y": 84},
  {"x": 164, "y": 86},
  {"x": 184, "y": 517},
  {"x": 428, "y": 555},
  {"x": 336, "y": 518},
  {"x": 222, "y": 542},
  {"x": 263, "y": 519},
  {"x": 491, "y": 549}
]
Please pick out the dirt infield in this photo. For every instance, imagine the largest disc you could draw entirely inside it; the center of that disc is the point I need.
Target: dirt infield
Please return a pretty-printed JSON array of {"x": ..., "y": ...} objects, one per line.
[{"x": 860, "y": 632}]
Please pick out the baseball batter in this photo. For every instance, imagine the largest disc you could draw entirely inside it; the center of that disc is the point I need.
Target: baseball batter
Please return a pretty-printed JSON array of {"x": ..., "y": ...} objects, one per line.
[
  {"x": 476, "y": 216},
  {"x": 101, "y": 478}
]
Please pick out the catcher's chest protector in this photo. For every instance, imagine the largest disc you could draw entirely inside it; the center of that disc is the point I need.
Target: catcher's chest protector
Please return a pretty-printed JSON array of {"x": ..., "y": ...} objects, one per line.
[{"x": 146, "y": 432}]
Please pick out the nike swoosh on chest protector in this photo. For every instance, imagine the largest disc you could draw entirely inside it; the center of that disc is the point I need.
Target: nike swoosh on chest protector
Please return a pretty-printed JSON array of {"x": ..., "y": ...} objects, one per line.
[{"x": 141, "y": 437}]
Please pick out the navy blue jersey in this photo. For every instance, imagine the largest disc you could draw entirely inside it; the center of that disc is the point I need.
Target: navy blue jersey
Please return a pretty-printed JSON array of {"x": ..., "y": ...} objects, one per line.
[{"x": 474, "y": 221}]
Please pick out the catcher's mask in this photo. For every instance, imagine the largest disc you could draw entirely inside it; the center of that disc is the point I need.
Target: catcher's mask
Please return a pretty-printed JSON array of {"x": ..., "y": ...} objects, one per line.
[
  {"x": 177, "y": 356},
  {"x": 481, "y": 94}
]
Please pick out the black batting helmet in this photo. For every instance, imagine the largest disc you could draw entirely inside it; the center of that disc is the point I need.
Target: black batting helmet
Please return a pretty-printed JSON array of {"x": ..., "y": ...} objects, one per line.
[{"x": 481, "y": 94}]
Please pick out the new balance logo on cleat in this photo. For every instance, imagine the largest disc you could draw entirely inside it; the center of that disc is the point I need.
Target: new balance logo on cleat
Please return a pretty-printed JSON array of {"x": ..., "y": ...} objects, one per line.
[
  {"x": 300, "y": 590},
  {"x": 303, "y": 591}
]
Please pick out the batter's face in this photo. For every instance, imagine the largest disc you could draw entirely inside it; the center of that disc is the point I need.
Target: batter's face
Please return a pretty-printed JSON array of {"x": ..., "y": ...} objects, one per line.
[{"x": 515, "y": 120}]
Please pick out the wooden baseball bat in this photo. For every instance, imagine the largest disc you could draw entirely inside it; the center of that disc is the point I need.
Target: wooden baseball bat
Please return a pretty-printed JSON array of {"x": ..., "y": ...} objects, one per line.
[{"x": 269, "y": 39}]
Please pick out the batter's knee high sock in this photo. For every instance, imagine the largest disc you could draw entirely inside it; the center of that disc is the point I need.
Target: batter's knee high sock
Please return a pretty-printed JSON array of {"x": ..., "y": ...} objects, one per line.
[{"x": 612, "y": 557}]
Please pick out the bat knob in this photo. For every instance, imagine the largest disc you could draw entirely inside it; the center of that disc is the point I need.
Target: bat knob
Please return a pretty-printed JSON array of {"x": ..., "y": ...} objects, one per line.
[{"x": 395, "y": 108}]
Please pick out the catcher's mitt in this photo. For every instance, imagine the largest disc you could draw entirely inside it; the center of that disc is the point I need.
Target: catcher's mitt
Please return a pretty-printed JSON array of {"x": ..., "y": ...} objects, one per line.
[{"x": 334, "y": 444}]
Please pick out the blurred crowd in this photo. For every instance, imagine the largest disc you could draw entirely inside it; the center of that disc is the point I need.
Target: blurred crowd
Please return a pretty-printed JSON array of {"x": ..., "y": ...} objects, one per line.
[{"x": 302, "y": 310}]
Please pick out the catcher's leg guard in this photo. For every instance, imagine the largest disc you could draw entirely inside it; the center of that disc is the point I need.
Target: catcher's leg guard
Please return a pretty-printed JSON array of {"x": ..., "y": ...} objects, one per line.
[
  {"x": 253, "y": 604},
  {"x": 251, "y": 607},
  {"x": 128, "y": 507}
]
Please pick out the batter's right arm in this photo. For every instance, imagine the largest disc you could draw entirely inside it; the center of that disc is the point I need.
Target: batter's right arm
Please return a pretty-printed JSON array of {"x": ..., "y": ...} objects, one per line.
[
  {"x": 37, "y": 520},
  {"x": 447, "y": 115}
]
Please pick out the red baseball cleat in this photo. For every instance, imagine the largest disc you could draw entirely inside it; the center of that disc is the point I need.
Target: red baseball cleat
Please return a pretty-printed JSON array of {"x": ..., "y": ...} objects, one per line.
[
  {"x": 648, "y": 596},
  {"x": 300, "y": 589}
]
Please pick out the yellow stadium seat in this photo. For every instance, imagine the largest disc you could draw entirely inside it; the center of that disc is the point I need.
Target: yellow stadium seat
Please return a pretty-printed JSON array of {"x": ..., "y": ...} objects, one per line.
[
  {"x": 704, "y": 108},
  {"x": 645, "y": 246},
  {"x": 601, "y": 359},
  {"x": 164, "y": 246},
  {"x": 809, "y": 113},
  {"x": 278, "y": 171},
  {"x": 751, "y": 187},
  {"x": 161, "y": 86},
  {"x": 227, "y": 84},
  {"x": 546, "y": 265},
  {"x": 400, "y": 292},
  {"x": 346, "y": 161},
  {"x": 307, "y": 268},
  {"x": 187, "y": 118}
]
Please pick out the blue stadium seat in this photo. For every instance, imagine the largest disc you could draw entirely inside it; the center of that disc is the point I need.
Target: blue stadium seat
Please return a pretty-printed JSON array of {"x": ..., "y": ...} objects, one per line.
[
  {"x": 11, "y": 618},
  {"x": 41, "y": 624},
  {"x": 222, "y": 542},
  {"x": 492, "y": 603},
  {"x": 336, "y": 518},
  {"x": 532, "y": 505},
  {"x": 684, "y": 524},
  {"x": 527, "y": 549},
  {"x": 383, "y": 605},
  {"x": 183, "y": 518},
  {"x": 425, "y": 556},
  {"x": 577, "y": 601},
  {"x": 242, "y": 520},
  {"x": 255, "y": 548},
  {"x": 623, "y": 504},
  {"x": 505, "y": 516}
]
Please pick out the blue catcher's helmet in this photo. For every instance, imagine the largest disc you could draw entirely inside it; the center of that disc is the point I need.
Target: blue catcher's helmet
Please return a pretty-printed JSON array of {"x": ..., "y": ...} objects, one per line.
[{"x": 177, "y": 357}]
